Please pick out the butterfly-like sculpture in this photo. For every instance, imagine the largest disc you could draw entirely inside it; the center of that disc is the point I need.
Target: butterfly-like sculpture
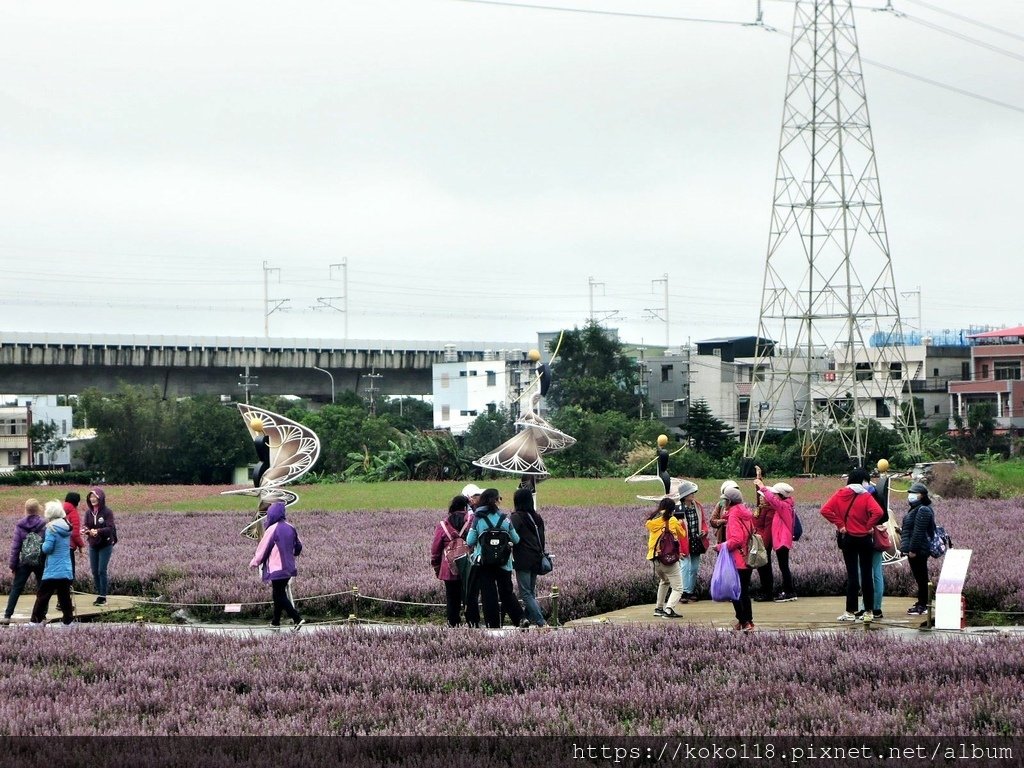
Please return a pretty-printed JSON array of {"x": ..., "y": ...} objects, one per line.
[
  {"x": 286, "y": 451},
  {"x": 522, "y": 454},
  {"x": 669, "y": 483}
]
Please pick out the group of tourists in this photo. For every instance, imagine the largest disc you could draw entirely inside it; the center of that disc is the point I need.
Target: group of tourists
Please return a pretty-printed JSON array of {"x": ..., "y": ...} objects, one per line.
[
  {"x": 734, "y": 524},
  {"x": 678, "y": 537},
  {"x": 477, "y": 548},
  {"x": 45, "y": 544}
]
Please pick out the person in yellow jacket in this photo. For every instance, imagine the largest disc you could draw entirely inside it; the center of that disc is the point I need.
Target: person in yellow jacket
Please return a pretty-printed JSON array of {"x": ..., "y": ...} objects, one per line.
[{"x": 670, "y": 580}]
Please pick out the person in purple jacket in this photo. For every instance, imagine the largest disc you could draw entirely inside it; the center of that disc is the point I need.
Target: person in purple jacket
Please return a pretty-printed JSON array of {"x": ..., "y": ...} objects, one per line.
[
  {"x": 102, "y": 536},
  {"x": 32, "y": 522},
  {"x": 275, "y": 557}
]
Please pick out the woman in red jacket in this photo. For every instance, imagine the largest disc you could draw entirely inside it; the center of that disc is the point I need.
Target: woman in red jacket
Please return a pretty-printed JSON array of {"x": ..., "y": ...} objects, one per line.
[
  {"x": 739, "y": 524},
  {"x": 854, "y": 512}
]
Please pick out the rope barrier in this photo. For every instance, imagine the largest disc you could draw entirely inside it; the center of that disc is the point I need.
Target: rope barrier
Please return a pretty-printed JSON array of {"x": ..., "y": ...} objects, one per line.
[{"x": 356, "y": 592}]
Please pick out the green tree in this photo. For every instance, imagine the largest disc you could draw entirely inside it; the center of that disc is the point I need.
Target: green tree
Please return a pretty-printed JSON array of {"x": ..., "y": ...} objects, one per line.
[
  {"x": 345, "y": 430},
  {"x": 487, "y": 432},
  {"x": 978, "y": 435},
  {"x": 594, "y": 374},
  {"x": 46, "y": 439},
  {"x": 211, "y": 441},
  {"x": 135, "y": 434},
  {"x": 408, "y": 414},
  {"x": 602, "y": 442},
  {"x": 707, "y": 433}
]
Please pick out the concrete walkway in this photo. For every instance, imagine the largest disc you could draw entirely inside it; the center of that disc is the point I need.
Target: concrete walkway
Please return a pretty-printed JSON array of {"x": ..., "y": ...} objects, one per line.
[
  {"x": 82, "y": 602},
  {"x": 807, "y": 613}
]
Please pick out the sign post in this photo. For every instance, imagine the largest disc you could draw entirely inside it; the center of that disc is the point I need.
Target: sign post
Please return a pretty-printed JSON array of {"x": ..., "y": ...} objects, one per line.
[{"x": 949, "y": 591}]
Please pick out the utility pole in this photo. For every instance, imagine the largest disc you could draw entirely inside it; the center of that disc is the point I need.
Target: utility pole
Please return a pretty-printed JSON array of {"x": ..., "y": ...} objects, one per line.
[
  {"x": 372, "y": 390},
  {"x": 343, "y": 266},
  {"x": 592, "y": 285},
  {"x": 907, "y": 295},
  {"x": 267, "y": 311},
  {"x": 654, "y": 312},
  {"x": 247, "y": 382}
]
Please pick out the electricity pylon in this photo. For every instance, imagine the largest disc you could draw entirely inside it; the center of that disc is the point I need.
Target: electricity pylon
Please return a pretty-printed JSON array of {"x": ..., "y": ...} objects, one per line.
[{"x": 829, "y": 306}]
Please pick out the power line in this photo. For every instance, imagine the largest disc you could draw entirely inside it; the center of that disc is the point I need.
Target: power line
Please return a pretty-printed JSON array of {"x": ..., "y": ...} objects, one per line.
[
  {"x": 963, "y": 37},
  {"x": 936, "y": 83},
  {"x": 967, "y": 19},
  {"x": 595, "y": 12}
]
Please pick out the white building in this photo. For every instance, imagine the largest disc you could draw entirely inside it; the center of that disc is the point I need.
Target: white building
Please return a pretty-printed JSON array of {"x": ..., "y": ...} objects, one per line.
[
  {"x": 464, "y": 390},
  {"x": 18, "y": 413}
]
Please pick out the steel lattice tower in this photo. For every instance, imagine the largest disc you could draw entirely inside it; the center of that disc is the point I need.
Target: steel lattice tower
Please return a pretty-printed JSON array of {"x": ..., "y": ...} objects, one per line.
[{"x": 829, "y": 302}]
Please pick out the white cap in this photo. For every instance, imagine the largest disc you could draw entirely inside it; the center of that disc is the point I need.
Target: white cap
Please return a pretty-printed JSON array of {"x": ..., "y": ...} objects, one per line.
[
  {"x": 727, "y": 485},
  {"x": 471, "y": 490},
  {"x": 783, "y": 489}
]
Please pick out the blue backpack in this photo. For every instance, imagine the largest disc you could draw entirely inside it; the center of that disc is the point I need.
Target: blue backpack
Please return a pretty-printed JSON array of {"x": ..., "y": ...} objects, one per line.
[
  {"x": 939, "y": 542},
  {"x": 798, "y": 529}
]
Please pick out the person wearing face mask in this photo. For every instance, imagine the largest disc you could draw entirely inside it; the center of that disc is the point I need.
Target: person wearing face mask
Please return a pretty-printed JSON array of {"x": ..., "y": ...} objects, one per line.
[
  {"x": 916, "y": 533},
  {"x": 854, "y": 512}
]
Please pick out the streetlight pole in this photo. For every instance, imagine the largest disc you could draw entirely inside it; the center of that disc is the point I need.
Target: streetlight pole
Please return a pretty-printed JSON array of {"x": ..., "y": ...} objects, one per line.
[{"x": 331, "y": 377}]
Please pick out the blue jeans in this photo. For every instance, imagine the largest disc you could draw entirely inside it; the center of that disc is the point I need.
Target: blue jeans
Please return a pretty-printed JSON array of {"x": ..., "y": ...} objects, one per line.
[
  {"x": 877, "y": 580},
  {"x": 98, "y": 559},
  {"x": 528, "y": 594},
  {"x": 690, "y": 565}
]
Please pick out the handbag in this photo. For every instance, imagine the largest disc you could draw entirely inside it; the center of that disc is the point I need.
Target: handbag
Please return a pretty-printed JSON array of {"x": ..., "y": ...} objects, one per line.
[
  {"x": 757, "y": 552},
  {"x": 698, "y": 546},
  {"x": 546, "y": 566},
  {"x": 880, "y": 538},
  {"x": 725, "y": 580}
]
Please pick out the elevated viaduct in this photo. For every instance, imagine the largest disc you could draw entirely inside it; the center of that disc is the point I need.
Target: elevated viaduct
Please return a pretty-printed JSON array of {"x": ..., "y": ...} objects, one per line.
[{"x": 68, "y": 363}]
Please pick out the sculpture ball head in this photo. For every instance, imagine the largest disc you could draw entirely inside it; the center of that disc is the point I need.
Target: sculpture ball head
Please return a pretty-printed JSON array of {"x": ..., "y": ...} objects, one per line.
[
  {"x": 256, "y": 424},
  {"x": 533, "y": 355},
  {"x": 883, "y": 465},
  {"x": 662, "y": 441}
]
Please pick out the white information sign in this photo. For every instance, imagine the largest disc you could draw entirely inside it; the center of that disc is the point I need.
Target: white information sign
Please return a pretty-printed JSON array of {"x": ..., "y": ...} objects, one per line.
[
  {"x": 950, "y": 588},
  {"x": 233, "y": 608}
]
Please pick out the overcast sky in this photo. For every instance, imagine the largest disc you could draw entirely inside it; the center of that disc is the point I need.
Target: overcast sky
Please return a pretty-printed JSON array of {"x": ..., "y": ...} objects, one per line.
[{"x": 475, "y": 164}]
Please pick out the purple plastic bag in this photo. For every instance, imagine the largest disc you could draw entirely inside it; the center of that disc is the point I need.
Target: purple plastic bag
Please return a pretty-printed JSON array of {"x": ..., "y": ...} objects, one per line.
[{"x": 725, "y": 581}]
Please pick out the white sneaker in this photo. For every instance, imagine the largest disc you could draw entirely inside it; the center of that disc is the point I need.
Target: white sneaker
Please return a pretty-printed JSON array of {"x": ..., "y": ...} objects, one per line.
[
  {"x": 847, "y": 616},
  {"x": 37, "y": 624}
]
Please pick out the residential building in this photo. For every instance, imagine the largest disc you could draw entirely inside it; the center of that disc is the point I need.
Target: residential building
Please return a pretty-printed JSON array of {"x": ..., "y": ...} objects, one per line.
[
  {"x": 464, "y": 390},
  {"x": 995, "y": 379},
  {"x": 665, "y": 382},
  {"x": 18, "y": 414},
  {"x": 722, "y": 373}
]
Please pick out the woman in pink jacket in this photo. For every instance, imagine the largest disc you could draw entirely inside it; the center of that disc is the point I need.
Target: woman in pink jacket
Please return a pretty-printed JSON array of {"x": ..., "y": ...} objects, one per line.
[
  {"x": 780, "y": 498},
  {"x": 739, "y": 524},
  {"x": 455, "y": 525}
]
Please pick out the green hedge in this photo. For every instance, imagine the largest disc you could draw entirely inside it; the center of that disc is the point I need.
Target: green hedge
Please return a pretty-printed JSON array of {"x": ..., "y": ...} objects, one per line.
[{"x": 49, "y": 477}]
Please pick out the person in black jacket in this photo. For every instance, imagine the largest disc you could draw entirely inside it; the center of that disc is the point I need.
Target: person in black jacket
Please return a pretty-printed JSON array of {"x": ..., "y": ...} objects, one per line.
[
  {"x": 526, "y": 555},
  {"x": 915, "y": 542}
]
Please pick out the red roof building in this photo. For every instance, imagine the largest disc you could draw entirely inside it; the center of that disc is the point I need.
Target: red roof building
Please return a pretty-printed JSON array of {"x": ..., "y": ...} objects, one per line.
[{"x": 996, "y": 361}]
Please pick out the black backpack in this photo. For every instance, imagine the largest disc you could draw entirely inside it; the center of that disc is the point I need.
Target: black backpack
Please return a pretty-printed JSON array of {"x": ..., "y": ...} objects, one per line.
[
  {"x": 31, "y": 550},
  {"x": 495, "y": 543}
]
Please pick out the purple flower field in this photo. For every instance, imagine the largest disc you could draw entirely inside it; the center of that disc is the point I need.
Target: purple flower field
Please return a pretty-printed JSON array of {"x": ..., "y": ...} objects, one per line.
[
  {"x": 592, "y": 681},
  {"x": 599, "y": 559}
]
